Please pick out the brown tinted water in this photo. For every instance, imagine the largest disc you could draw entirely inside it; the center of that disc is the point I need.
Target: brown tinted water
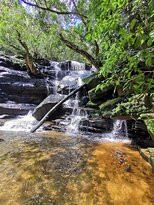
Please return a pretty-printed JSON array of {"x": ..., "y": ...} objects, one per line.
[{"x": 53, "y": 169}]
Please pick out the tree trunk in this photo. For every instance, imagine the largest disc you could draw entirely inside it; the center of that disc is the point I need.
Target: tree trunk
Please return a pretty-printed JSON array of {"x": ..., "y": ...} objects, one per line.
[{"x": 31, "y": 68}]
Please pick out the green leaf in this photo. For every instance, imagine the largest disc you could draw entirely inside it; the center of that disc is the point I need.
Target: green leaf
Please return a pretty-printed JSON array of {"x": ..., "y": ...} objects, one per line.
[
  {"x": 148, "y": 61},
  {"x": 132, "y": 24},
  {"x": 150, "y": 41}
]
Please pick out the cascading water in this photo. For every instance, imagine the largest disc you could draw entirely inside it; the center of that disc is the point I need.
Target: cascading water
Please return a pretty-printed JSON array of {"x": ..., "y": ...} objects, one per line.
[
  {"x": 77, "y": 115},
  {"x": 120, "y": 129},
  {"x": 77, "y": 66},
  {"x": 57, "y": 70},
  {"x": 119, "y": 132},
  {"x": 24, "y": 123}
]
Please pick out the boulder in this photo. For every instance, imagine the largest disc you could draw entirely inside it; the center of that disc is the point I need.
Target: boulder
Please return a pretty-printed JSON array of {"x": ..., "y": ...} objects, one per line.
[
  {"x": 103, "y": 125},
  {"x": 92, "y": 81},
  {"x": 46, "y": 105}
]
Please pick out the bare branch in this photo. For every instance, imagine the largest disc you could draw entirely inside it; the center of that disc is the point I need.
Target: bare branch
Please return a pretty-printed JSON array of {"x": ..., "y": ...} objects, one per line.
[{"x": 53, "y": 10}]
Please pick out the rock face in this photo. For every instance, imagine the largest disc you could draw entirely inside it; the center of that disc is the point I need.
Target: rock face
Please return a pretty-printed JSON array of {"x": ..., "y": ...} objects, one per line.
[{"x": 18, "y": 86}]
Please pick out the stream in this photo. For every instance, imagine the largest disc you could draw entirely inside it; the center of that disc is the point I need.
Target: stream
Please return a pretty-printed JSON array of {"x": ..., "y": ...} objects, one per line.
[{"x": 53, "y": 168}]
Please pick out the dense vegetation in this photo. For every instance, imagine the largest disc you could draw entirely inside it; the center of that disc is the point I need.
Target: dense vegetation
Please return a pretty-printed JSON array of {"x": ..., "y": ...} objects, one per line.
[{"x": 116, "y": 36}]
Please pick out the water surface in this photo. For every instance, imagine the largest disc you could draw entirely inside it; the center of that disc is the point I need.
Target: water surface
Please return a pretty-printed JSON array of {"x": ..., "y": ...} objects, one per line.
[{"x": 54, "y": 169}]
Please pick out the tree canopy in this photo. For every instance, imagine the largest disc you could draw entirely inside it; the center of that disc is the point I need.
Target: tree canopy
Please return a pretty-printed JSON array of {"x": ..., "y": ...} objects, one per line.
[{"x": 115, "y": 36}]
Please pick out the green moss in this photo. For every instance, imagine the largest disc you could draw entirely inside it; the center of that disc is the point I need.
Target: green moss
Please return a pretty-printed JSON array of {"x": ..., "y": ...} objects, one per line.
[
  {"x": 133, "y": 106},
  {"x": 110, "y": 104},
  {"x": 92, "y": 105}
]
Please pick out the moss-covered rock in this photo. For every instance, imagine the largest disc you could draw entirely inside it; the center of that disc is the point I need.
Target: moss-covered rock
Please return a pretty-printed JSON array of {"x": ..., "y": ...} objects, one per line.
[
  {"x": 133, "y": 106},
  {"x": 93, "y": 105},
  {"x": 92, "y": 81},
  {"x": 149, "y": 121},
  {"x": 109, "y": 104}
]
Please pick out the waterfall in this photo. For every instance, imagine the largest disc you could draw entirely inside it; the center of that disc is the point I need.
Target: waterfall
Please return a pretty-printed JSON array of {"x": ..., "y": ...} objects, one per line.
[
  {"x": 120, "y": 129},
  {"x": 57, "y": 70},
  {"x": 118, "y": 133},
  {"x": 77, "y": 66},
  {"x": 77, "y": 115},
  {"x": 24, "y": 123}
]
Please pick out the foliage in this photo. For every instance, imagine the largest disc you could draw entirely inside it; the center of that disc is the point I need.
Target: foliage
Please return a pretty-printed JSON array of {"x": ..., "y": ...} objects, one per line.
[
  {"x": 38, "y": 35},
  {"x": 115, "y": 36},
  {"x": 125, "y": 31}
]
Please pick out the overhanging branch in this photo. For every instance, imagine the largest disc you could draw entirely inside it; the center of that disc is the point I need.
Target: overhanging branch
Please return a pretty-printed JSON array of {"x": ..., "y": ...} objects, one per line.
[
  {"x": 84, "y": 53},
  {"x": 53, "y": 10}
]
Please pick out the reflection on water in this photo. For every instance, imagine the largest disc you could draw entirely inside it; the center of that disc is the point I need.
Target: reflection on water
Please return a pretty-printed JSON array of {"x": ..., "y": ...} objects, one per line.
[{"x": 54, "y": 169}]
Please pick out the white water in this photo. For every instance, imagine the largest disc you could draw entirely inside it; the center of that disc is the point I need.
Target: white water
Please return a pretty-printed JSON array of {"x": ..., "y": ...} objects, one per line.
[
  {"x": 57, "y": 70},
  {"x": 77, "y": 114},
  {"x": 77, "y": 66},
  {"x": 119, "y": 132},
  {"x": 120, "y": 129},
  {"x": 24, "y": 123}
]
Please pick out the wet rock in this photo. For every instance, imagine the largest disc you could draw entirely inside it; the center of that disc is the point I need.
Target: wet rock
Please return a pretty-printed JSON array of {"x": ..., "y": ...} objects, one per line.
[
  {"x": 12, "y": 109},
  {"x": 90, "y": 129},
  {"x": 46, "y": 105},
  {"x": 74, "y": 65},
  {"x": 5, "y": 116},
  {"x": 98, "y": 125},
  {"x": 17, "y": 86},
  {"x": 66, "y": 65}
]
